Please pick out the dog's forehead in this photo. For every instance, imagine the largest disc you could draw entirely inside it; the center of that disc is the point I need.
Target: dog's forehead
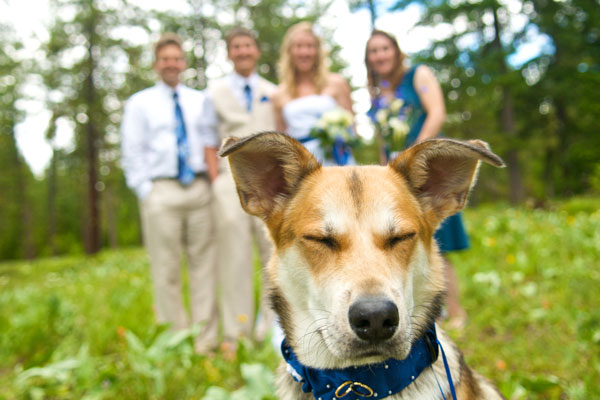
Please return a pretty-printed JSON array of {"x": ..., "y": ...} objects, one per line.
[{"x": 368, "y": 195}]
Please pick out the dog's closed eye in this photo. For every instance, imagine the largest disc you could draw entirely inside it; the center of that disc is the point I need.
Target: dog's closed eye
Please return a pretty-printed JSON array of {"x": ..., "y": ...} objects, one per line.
[
  {"x": 394, "y": 240},
  {"x": 327, "y": 241}
]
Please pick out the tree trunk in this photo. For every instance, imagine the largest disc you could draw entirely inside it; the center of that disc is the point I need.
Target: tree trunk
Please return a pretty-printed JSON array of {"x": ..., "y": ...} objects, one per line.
[
  {"x": 512, "y": 155},
  {"x": 93, "y": 234},
  {"x": 563, "y": 143},
  {"x": 111, "y": 217},
  {"x": 51, "y": 181},
  {"x": 26, "y": 213},
  {"x": 51, "y": 234},
  {"x": 507, "y": 122}
]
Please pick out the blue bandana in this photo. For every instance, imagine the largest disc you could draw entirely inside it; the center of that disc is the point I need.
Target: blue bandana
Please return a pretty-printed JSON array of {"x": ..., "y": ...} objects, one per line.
[{"x": 368, "y": 381}]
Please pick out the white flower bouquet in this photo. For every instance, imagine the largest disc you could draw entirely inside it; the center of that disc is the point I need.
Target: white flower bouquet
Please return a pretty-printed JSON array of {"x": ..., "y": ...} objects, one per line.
[
  {"x": 392, "y": 124},
  {"x": 335, "y": 132}
]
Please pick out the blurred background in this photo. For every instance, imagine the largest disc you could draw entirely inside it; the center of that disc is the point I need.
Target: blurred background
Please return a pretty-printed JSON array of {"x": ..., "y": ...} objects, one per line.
[
  {"x": 75, "y": 299},
  {"x": 524, "y": 76}
]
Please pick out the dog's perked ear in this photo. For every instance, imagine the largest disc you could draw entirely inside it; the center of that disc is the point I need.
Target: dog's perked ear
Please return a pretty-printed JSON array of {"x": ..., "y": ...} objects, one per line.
[
  {"x": 267, "y": 168},
  {"x": 441, "y": 172}
]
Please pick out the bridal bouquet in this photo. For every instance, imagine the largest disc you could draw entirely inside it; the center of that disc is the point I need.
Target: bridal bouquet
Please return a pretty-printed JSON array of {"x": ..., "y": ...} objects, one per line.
[
  {"x": 334, "y": 131},
  {"x": 392, "y": 123}
]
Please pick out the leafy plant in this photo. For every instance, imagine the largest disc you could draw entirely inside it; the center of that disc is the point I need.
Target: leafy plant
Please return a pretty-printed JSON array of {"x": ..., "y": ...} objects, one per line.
[
  {"x": 259, "y": 385},
  {"x": 82, "y": 327},
  {"x": 153, "y": 361}
]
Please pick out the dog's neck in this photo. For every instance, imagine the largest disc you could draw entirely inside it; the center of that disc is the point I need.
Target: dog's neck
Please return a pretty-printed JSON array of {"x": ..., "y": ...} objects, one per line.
[{"x": 379, "y": 380}]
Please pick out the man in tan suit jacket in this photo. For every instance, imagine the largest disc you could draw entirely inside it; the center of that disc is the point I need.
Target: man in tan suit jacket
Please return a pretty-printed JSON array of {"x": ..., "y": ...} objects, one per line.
[{"x": 239, "y": 105}]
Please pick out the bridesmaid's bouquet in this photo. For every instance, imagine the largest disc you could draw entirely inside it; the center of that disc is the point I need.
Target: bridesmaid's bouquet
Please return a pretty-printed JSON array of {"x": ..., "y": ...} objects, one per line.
[
  {"x": 335, "y": 134},
  {"x": 392, "y": 124}
]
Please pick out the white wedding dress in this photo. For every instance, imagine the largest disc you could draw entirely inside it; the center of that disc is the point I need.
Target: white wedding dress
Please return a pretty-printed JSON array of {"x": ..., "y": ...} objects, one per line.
[{"x": 301, "y": 115}]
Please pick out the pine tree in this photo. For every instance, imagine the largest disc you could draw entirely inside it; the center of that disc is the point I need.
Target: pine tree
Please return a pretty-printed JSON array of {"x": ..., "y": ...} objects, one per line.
[
  {"x": 16, "y": 214},
  {"x": 91, "y": 69}
]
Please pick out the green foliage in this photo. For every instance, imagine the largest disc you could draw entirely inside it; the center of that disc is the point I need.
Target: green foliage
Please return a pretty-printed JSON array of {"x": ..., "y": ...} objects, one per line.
[
  {"x": 168, "y": 351},
  {"x": 537, "y": 335},
  {"x": 93, "y": 62},
  {"x": 205, "y": 32},
  {"x": 566, "y": 92},
  {"x": 367, "y": 153},
  {"x": 86, "y": 90},
  {"x": 77, "y": 327},
  {"x": 271, "y": 19},
  {"x": 371, "y": 5},
  {"x": 259, "y": 384},
  {"x": 538, "y": 115},
  {"x": 16, "y": 213}
]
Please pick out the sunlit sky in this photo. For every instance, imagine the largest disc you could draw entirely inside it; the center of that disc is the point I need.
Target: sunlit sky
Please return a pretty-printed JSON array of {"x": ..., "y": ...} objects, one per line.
[{"x": 30, "y": 19}]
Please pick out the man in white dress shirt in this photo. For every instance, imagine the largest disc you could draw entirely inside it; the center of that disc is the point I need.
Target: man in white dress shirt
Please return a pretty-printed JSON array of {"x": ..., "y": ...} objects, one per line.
[
  {"x": 239, "y": 105},
  {"x": 166, "y": 156}
]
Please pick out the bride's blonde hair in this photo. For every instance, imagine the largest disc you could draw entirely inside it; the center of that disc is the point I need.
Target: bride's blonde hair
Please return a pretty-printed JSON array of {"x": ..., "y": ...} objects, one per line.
[{"x": 286, "y": 68}]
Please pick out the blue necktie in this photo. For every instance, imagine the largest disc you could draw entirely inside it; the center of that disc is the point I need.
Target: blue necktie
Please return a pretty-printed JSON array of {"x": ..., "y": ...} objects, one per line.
[
  {"x": 248, "y": 96},
  {"x": 185, "y": 173}
]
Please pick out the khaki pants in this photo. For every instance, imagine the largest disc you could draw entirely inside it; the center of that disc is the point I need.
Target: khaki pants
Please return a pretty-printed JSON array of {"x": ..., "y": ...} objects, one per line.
[
  {"x": 177, "y": 220},
  {"x": 235, "y": 230}
]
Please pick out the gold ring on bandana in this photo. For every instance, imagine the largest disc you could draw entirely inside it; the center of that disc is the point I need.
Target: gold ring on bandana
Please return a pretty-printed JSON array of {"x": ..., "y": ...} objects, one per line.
[{"x": 365, "y": 391}]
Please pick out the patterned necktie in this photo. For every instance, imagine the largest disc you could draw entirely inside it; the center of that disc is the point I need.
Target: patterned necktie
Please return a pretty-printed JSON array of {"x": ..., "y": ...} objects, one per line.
[
  {"x": 248, "y": 96},
  {"x": 185, "y": 173}
]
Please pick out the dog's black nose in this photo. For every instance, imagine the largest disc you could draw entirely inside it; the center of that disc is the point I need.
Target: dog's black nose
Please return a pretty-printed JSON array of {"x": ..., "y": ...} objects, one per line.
[{"x": 373, "y": 320}]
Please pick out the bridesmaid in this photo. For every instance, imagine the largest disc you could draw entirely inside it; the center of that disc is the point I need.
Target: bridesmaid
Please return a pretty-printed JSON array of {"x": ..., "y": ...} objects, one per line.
[
  {"x": 423, "y": 100},
  {"x": 307, "y": 89}
]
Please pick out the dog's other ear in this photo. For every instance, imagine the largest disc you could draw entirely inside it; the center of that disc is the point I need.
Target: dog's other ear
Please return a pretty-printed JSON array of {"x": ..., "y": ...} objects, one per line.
[
  {"x": 441, "y": 172},
  {"x": 267, "y": 169}
]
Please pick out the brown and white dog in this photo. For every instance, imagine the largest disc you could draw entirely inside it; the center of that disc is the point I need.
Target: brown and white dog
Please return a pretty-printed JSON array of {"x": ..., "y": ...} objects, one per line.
[{"x": 356, "y": 277}]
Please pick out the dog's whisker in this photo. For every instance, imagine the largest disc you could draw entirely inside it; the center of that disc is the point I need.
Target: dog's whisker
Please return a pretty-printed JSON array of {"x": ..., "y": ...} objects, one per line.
[
  {"x": 317, "y": 309},
  {"x": 309, "y": 334},
  {"x": 316, "y": 321}
]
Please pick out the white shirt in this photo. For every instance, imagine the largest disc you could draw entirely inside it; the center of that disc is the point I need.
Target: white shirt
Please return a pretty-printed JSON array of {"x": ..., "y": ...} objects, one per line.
[
  {"x": 149, "y": 142},
  {"x": 237, "y": 83}
]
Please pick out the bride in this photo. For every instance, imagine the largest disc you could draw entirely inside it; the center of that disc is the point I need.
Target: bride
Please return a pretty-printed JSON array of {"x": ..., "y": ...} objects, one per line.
[{"x": 307, "y": 88}]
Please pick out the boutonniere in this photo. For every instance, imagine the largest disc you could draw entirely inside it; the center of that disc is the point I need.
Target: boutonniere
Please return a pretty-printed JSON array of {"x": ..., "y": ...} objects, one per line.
[{"x": 264, "y": 99}]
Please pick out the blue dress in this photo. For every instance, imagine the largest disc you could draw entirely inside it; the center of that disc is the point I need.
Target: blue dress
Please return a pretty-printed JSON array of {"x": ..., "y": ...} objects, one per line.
[{"x": 451, "y": 234}]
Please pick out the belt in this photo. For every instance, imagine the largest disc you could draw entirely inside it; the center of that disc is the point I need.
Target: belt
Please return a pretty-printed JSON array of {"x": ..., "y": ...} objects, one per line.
[{"x": 197, "y": 175}]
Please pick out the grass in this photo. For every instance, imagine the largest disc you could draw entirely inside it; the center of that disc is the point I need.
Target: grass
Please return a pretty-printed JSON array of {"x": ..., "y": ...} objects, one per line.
[
  {"x": 82, "y": 328},
  {"x": 528, "y": 284}
]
